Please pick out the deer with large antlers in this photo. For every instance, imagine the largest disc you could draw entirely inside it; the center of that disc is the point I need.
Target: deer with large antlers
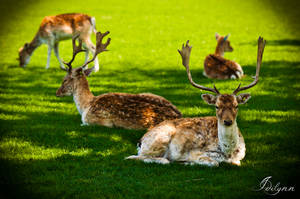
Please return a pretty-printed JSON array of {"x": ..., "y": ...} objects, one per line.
[
  {"x": 54, "y": 29},
  {"x": 203, "y": 140},
  {"x": 131, "y": 111},
  {"x": 217, "y": 67}
]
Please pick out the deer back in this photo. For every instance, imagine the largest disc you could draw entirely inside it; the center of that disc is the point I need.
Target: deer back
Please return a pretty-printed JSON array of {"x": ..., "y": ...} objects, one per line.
[
  {"x": 138, "y": 111},
  {"x": 63, "y": 26},
  {"x": 218, "y": 67}
]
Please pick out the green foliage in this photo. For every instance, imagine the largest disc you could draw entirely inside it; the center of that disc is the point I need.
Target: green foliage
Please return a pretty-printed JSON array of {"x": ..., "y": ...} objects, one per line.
[{"x": 44, "y": 151}]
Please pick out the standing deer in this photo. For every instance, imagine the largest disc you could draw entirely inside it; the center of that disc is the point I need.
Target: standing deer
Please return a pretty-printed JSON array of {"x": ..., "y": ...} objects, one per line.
[
  {"x": 217, "y": 67},
  {"x": 54, "y": 29},
  {"x": 130, "y": 111},
  {"x": 203, "y": 140}
]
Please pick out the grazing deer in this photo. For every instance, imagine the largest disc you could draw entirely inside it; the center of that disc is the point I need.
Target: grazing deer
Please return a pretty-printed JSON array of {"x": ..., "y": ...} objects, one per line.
[
  {"x": 54, "y": 29},
  {"x": 130, "y": 111},
  {"x": 203, "y": 140},
  {"x": 217, "y": 67}
]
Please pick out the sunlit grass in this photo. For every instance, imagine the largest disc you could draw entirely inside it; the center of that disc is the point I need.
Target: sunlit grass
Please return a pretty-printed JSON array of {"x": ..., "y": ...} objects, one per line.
[
  {"x": 16, "y": 149},
  {"x": 44, "y": 151}
]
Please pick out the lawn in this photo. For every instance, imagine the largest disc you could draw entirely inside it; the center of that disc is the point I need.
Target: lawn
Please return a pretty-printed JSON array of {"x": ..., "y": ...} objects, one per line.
[{"x": 44, "y": 151}]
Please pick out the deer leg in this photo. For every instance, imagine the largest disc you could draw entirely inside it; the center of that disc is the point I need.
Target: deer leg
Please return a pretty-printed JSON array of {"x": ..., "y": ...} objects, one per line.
[
  {"x": 91, "y": 47},
  {"x": 51, "y": 42},
  {"x": 232, "y": 77},
  {"x": 86, "y": 55},
  {"x": 56, "y": 51},
  {"x": 146, "y": 159},
  {"x": 49, "y": 56},
  {"x": 239, "y": 71}
]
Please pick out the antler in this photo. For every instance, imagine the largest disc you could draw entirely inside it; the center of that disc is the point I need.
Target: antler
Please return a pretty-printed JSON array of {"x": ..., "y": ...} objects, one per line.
[
  {"x": 100, "y": 47},
  {"x": 76, "y": 50},
  {"x": 185, "y": 55},
  {"x": 260, "y": 51}
]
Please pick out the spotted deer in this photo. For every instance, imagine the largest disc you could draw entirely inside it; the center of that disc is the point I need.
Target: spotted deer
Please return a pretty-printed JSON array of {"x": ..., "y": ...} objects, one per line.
[
  {"x": 217, "y": 67},
  {"x": 130, "y": 111},
  {"x": 54, "y": 29},
  {"x": 202, "y": 140}
]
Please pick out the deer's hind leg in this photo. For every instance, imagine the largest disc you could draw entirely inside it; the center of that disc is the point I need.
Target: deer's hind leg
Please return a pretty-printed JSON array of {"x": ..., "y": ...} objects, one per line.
[
  {"x": 91, "y": 47},
  {"x": 154, "y": 146}
]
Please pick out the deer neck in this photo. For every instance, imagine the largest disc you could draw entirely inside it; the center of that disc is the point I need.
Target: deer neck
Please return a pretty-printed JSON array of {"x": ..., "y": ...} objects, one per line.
[
  {"x": 36, "y": 42},
  {"x": 228, "y": 137},
  {"x": 219, "y": 50},
  {"x": 82, "y": 95}
]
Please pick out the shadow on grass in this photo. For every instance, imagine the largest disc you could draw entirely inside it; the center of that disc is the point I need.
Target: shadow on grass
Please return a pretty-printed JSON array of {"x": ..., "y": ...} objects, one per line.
[
  {"x": 169, "y": 83},
  {"x": 279, "y": 42},
  {"x": 271, "y": 147}
]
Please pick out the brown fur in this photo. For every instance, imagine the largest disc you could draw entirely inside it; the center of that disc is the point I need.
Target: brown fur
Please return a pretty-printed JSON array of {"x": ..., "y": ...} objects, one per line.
[
  {"x": 78, "y": 22},
  {"x": 217, "y": 67},
  {"x": 135, "y": 111},
  {"x": 206, "y": 140},
  {"x": 227, "y": 107},
  {"x": 54, "y": 29},
  {"x": 131, "y": 111},
  {"x": 196, "y": 140}
]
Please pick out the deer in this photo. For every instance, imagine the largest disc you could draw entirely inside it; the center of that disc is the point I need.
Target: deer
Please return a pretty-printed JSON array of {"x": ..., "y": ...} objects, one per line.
[
  {"x": 129, "y": 111},
  {"x": 217, "y": 67},
  {"x": 54, "y": 29},
  {"x": 206, "y": 141}
]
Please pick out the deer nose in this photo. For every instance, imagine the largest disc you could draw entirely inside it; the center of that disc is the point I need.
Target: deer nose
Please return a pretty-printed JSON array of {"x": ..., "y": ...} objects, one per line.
[{"x": 227, "y": 122}]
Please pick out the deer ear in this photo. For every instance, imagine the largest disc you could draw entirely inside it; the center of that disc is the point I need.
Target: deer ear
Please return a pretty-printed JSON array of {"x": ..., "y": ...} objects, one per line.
[
  {"x": 217, "y": 36},
  {"x": 226, "y": 37},
  {"x": 87, "y": 72},
  {"x": 243, "y": 98},
  {"x": 209, "y": 99}
]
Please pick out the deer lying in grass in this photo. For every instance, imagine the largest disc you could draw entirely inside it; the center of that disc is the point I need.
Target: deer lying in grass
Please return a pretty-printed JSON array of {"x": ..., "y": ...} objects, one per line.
[
  {"x": 203, "y": 140},
  {"x": 217, "y": 67},
  {"x": 54, "y": 29},
  {"x": 131, "y": 111}
]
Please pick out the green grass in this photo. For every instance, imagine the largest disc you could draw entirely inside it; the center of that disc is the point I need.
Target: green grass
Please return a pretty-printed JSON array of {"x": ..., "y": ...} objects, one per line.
[{"x": 44, "y": 151}]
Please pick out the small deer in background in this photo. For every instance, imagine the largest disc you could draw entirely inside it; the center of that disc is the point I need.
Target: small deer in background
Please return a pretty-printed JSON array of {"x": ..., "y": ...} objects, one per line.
[
  {"x": 217, "y": 67},
  {"x": 203, "y": 140},
  {"x": 130, "y": 111},
  {"x": 54, "y": 29}
]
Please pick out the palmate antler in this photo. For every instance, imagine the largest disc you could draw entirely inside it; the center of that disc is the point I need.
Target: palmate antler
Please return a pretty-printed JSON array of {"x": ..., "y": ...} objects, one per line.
[
  {"x": 76, "y": 49},
  {"x": 185, "y": 55},
  {"x": 100, "y": 47},
  {"x": 260, "y": 51}
]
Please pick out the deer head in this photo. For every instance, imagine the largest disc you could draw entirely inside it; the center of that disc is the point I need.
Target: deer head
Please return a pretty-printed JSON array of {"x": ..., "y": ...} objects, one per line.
[
  {"x": 77, "y": 77},
  {"x": 226, "y": 104},
  {"x": 24, "y": 55},
  {"x": 223, "y": 43}
]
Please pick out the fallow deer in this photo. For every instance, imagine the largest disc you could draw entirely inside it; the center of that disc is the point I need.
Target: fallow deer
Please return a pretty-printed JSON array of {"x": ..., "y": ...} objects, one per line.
[
  {"x": 54, "y": 29},
  {"x": 130, "y": 111},
  {"x": 217, "y": 67},
  {"x": 203, "y": 140}
]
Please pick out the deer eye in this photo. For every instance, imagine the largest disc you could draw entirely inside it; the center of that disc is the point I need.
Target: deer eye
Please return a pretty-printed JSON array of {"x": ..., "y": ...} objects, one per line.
[
  {"x": 236, "y": 107},
  {"x": 217, "y": 107}
]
